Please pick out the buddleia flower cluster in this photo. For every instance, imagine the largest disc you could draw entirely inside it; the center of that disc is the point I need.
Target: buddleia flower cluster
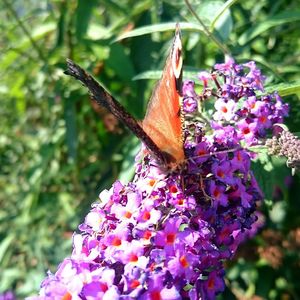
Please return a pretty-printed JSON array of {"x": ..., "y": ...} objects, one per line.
[{"x": 166, "y": 235}]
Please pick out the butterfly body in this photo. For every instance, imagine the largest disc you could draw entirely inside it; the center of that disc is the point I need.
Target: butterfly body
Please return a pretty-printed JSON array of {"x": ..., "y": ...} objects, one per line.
[{"x": 161, "y": 129}]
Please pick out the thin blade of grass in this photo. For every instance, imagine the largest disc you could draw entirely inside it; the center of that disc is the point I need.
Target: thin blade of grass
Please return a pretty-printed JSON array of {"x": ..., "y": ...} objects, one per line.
[{"x": 159, "y": 28}]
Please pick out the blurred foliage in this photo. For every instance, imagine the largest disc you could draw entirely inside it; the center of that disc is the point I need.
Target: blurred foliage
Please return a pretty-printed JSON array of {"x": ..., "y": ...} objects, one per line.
[{"x": 58, "y": 152}]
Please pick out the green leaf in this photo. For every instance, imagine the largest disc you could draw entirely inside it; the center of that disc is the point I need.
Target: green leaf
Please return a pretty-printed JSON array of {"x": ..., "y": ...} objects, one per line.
[
  {"x": 83, "y": 15},
  {"x": 159, "y": 28},
  {"x": 188, "y": 73},
  {"x": 269, "y": 172},
  {"x": 61, "y": 23},
  {"x": 65, "y": 200},
  {"x": 8, "y": 276},
  {"x": 5, "y": 244},
  {"x": 223, "y": 25},
  {"x": 139, "y": 7},
  {"x": 37, "y": 33},
  {"x": 221, "y": 11},
  {"x": 71, "y": 128},
  {"x": 280, "y": 19},
  {"x": 120, "y": 62},
  {"x": 130, "y": 150},
  {"x": 284, "y": 89},
  {"x": 98, "y": 32},
  {"x": 151, "y": 74}
]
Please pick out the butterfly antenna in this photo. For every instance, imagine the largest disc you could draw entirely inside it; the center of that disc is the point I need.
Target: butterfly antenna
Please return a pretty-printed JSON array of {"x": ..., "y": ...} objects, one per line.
[{"x": 192, "y": 158}]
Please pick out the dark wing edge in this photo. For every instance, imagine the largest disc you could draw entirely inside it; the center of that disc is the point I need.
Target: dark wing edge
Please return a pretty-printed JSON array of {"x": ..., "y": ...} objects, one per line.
[{"x": 103, "y": 98}]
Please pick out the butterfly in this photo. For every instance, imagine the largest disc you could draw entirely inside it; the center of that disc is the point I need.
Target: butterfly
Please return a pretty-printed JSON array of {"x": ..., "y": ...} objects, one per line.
[{"x": 161, "y": 130}]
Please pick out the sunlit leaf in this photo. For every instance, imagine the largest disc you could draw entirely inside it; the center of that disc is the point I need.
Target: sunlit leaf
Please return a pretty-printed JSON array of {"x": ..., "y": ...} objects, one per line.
[
  {"x": 223, "y": 23},
  {"x": 61, "y": 23},
  {"x": 268, "y": 23},
  {"x": 120, "y": 63},
  {"x": 8, "y": 276},
  {"x": 98, "y": 32},
  {"x": 148, "y": 75},
  {"x": 83, "y": 14},
  {"x": 159, "y": 28},
  {"x": 188, "y": 73},
  {"x": 221, "y": 11},
  {"x": 284, "y": 89},
  {"x": 5, "y": 244},
  {"x": 37, "y": 34},
  {"x": 130, "y": 150}
]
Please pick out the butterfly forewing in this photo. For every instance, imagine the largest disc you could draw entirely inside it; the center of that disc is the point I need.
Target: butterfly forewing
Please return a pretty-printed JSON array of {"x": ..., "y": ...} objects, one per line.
[
  {"x": 161, "y": 129},
  {"x": 163, "y": 122}
]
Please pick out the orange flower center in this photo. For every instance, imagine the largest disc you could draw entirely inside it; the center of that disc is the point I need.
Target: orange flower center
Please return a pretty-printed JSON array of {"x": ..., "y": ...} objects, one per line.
[
  {"x": 151, "y": 182},
  {"x": 170, "y": 238},
  {"x": 134, "y": 284},
  {"x": 216, "y": 193},
  {"x": 146, "y": 216},
  {"x": 147, "y": 234},
  {"x": 263, "y": 119},
  {"x": 183, "y": 261},
  {"x": 103, "y": 287},
  {"x": 180, "y": 201},
  {"x": 155, "y": 295},
  {"x": 133, "y": 258},
  {"x": 246, "y": 130},
  {"x": 211, "y": 283},
  {"x": 67, "y": 296},
  {"x": 128, "y": 214},
  {"x": 239, "y": 156},
  {"x": 224, "y": 109},
  {"x": 220, "y": 173},
  {"x": 152, "y": 267},
  {"x": 201, "y": 152},
  {"x": 225, "y": 233},
  {"x": 173, "y": 189},
  {"x": 116, "y": 241}
]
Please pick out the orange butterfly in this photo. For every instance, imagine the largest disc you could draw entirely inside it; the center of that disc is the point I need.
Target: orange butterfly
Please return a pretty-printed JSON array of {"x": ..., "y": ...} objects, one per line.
[{"x": 161, "y": 129}]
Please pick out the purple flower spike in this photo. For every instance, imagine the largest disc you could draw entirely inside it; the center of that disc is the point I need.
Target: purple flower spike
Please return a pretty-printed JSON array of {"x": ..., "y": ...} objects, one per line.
[{"x": 166, "y": 235}]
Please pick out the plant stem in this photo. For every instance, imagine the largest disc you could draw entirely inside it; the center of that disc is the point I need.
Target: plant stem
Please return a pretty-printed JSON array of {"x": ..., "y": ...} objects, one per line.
[
  {"x": 224, "y": 49},
  {"x": 25, "y": 30}
]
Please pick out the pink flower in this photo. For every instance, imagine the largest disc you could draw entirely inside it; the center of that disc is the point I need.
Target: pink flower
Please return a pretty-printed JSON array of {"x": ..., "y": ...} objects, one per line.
[
  {"x": 224, "y": 109},
  {"x": 217, "y": 192},
  {"x": 167, "y": 237}
]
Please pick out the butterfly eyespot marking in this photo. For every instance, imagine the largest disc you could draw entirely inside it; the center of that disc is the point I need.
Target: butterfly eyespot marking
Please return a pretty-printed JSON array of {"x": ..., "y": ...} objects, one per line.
[{"x": 177, "y": 57}]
